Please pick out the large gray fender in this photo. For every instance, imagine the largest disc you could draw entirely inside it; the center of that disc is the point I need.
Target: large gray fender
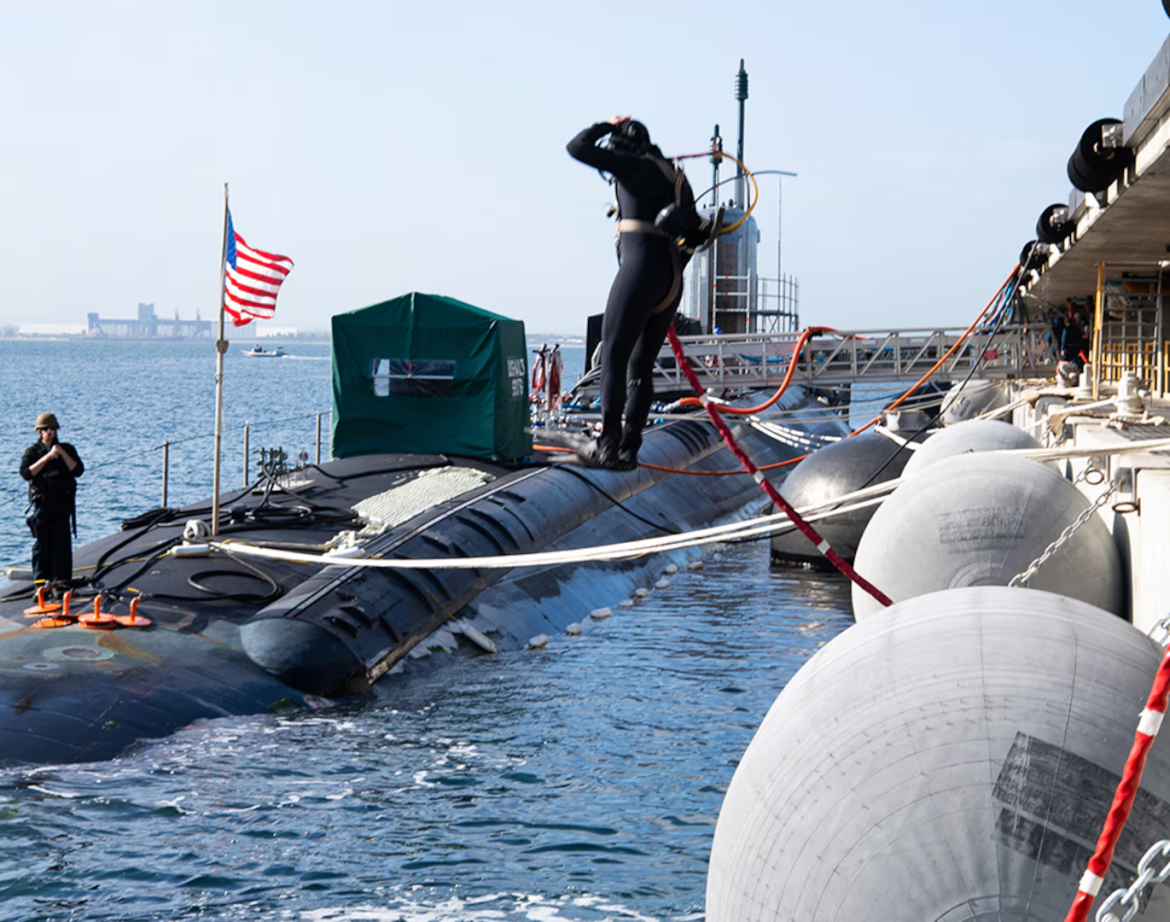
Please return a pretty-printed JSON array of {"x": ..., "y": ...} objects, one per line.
[
  {"x": 967, "y": 400},
  {"x": 951, "y": 761},
  {"x": 971, "y": 436},
  {"x": 835, "y": 470},
  {"x": 979, "y": 520}
]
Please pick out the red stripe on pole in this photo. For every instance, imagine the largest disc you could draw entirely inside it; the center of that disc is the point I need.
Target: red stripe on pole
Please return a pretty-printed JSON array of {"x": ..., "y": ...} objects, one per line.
[
  {"x": 773, "y": 494},
  {"x": 1127, "y": 788}
]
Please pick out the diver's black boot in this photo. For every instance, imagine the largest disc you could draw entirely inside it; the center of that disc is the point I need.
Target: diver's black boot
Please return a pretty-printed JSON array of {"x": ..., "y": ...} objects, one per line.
[
  {"x": 627, "y": 451},
  {"x": 595, "y": 454},
  {"x": 604, "y": 455}
]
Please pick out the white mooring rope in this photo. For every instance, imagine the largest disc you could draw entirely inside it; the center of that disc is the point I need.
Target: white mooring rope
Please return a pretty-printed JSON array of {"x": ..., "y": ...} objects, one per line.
[{"x": 769, "y": 524}]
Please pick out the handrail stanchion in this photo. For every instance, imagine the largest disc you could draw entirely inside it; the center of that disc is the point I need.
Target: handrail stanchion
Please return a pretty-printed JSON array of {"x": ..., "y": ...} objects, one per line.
[
  {"x": 247, "y": 449},
  {"x": 318, "y": 438},
  {"x": 1098, "y": 322},
  {"x": 166, "y": 470}
]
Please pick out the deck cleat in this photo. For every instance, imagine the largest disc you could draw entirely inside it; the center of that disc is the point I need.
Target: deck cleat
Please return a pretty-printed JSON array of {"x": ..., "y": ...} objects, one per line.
[
  {"x": 62, "y": 618},
  {"x": 98, "y": 620},
  {"x": 52, "y": 621},
  {"x": 133, "y": 619},
  {"x": 42, "y": 607}
]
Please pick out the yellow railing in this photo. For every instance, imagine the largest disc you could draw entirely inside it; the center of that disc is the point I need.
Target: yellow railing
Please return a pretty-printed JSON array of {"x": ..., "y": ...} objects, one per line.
[
  {"x": 1119, "y": 357},
  {"x": 1128, "y": 332}
]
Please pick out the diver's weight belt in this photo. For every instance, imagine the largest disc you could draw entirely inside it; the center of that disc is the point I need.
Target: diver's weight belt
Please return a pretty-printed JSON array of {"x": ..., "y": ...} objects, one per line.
[{"x": 630, "y": 226}]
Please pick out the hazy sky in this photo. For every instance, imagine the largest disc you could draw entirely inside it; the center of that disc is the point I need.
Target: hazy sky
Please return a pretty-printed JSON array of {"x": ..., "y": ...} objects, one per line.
[{"x": 389, "y": 147}]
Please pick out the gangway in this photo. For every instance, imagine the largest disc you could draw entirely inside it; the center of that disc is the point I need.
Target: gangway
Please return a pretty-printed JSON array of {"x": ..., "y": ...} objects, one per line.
[{"x": 846, "y": 357}]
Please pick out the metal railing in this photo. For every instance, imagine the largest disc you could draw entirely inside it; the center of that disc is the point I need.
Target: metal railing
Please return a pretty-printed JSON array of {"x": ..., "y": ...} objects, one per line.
[
  {"x": 165, "y": 447},
  {"x": 851, "y": 356}
]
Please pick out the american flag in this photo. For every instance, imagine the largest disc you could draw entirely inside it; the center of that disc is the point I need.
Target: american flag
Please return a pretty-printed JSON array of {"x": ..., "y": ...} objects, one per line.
[{"x": 252, "y": 279}]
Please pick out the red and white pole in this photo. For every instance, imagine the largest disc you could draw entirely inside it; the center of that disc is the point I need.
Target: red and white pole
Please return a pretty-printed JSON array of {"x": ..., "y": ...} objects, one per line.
[
  {"x": 1149, "y": 724},
  {"x": 773, "y": 494}
]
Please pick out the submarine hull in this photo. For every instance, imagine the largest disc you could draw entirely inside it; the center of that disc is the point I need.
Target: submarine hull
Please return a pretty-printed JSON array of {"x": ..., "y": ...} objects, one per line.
[{"x": 233, "y": 636}]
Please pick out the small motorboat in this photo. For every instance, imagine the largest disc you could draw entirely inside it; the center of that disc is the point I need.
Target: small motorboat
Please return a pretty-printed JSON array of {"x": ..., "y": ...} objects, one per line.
[{"x": 258, "y": 352}]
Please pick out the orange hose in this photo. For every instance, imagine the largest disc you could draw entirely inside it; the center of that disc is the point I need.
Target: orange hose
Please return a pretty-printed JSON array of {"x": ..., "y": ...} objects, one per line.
[
  {"x": 937, "y": 365},
  {"x": 748, "y": 173},
  {"x": 677, "y": 470},
  {"x": 762, "y": 467},
  {"x": 694, "y": 401},
  {"x": 805, "y": 335}
]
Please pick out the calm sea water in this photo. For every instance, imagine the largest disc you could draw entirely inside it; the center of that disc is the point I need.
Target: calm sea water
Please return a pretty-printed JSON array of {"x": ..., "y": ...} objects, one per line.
[
  {"x": 118, "y": 401},
  {"x": 580, "y": 782}
]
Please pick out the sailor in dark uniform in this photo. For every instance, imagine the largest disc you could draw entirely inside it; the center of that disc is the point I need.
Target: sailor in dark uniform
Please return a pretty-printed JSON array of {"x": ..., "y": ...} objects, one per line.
[
  {"x": 646, "y": 291},
  {"x": 51, "y": 469}
]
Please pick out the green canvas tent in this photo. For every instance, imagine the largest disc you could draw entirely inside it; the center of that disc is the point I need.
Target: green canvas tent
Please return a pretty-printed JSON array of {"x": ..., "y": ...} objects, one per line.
[{"x": 426, "y": 374}]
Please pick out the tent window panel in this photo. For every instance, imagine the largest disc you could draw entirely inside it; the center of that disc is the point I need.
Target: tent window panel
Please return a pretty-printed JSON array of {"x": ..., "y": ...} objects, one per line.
[{"x": 414, "y": 377}]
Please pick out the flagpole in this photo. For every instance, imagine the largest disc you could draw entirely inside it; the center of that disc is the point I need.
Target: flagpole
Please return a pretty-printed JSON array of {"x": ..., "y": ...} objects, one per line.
[{"x": 221, "y": 347}]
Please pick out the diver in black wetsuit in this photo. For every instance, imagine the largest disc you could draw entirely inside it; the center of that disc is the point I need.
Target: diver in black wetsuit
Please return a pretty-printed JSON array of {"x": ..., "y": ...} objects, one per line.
[{"x": 648, "y": 287}]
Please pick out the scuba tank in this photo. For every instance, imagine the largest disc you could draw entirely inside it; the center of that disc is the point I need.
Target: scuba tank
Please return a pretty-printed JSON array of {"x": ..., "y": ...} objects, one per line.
[{"x": 680, "y": 219}]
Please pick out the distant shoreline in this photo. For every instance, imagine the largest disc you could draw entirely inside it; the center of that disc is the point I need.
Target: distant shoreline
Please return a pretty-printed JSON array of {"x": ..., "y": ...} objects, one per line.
[
  {"x": 262, "y": 340},
  {"x": 533, "y": 339}
]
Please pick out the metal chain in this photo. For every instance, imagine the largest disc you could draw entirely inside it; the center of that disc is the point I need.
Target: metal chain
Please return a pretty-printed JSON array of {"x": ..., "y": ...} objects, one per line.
[
  {"x": 1021, "y": 579},
  {"x": 1160, "y": 632},
  {"x": 1123, "y": 905}
]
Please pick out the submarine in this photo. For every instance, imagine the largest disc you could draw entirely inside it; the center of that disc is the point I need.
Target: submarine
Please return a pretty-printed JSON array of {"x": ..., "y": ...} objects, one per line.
[{"x": 176, "y": 618}]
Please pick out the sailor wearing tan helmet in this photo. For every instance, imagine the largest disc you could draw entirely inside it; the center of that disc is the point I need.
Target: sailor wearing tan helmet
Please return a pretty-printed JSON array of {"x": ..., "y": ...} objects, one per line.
[{"x": 51, "y": 469}]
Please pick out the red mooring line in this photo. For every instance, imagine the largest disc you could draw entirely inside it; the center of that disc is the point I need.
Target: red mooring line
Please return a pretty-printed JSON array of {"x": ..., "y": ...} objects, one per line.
[
  {"x": 773, "y": 494},
  {"x": 1148, "y": 725}
]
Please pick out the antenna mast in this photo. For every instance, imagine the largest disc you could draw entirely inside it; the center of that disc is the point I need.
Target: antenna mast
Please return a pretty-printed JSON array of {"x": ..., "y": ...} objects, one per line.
[
  {"x": 741, "y": 94},
  {"x": 716, "y": 150}
]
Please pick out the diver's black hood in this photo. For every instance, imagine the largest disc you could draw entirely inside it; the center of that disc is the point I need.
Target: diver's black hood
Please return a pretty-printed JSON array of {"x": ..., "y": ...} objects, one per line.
[{"x": 630, "y": 136}]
